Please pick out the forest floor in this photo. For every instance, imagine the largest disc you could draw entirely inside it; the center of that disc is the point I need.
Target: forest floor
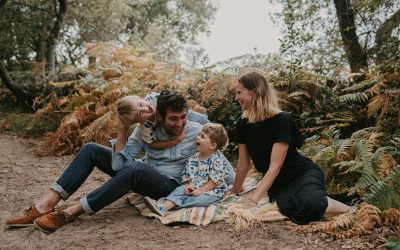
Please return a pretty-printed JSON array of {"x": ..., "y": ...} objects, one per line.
[{"x": 24, "y": 177}]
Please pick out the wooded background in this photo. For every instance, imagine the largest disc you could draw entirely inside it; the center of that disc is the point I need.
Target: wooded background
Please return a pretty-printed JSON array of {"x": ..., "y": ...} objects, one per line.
[{"x": 64, "y": 64}]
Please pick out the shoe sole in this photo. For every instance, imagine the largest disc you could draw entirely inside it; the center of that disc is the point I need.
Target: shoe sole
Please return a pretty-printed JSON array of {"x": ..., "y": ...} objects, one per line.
[
  {"x": 20, "y": 225},
  {"x": 153, "y": 208},
  {"x": 41, "y": 229}
]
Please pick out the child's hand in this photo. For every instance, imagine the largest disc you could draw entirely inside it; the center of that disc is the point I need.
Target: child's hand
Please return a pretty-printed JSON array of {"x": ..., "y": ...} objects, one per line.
[
  {"x": 197, "y": 192},
  {"x": 189, "y": 188},
  {"x": 179, "y": 138}
]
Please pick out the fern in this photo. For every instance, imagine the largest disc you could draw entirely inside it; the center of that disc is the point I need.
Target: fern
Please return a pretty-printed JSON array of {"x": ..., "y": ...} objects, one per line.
[
  {"x": 362, "y": 149},
  {"x": 331, "y": 133},
  {"x": 393, "y": 243},
  {"x": 385, "y": 193},
  {"x": 364, "y": 85},
  {"x": 354, "y": 98},
  {"x": 342, "y": 148}
]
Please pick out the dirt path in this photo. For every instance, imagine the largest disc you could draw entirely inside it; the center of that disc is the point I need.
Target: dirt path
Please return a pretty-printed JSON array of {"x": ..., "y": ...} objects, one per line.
[{"x": 24, "y": 177}]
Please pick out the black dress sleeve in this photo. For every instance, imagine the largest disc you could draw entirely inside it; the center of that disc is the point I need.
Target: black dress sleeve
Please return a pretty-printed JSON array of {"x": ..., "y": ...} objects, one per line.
[
  {"x": 239, "y": 136},
  {"x": 285, "y": 130}
]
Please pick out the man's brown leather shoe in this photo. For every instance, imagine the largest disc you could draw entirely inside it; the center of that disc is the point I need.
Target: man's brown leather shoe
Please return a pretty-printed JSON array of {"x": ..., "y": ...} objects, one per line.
[
  {"x": 26, "y": 219},
  {"x": 49, "y": 223}
]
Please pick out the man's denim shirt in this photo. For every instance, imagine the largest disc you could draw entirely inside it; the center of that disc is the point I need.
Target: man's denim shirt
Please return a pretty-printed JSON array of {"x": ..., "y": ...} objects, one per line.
[{"x": 169, "y": 161}]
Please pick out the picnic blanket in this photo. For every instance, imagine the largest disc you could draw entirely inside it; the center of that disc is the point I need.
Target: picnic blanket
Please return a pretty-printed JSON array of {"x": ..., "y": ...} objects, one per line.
[{"x": 222, "y": 210}]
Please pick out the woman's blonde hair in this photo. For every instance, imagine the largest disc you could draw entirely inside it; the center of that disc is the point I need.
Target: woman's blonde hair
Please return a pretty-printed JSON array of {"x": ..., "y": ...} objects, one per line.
[
  {"x": 265, "y": 102},
  {"x": 127, "y": 109}
]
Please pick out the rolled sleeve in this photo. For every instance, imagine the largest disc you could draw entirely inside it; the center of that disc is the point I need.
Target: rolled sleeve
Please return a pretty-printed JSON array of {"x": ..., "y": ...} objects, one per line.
[{"x": 129, "y": 153}]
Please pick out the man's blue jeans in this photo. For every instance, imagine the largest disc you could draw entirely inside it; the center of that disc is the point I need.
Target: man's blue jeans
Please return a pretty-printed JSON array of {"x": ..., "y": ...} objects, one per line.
[{"x": 135, "y": 176}]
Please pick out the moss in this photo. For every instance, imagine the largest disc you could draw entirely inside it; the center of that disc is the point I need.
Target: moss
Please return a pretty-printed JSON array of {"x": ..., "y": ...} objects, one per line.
[
  {"x": 16, "y": 122},
  {"x": 25, "y": 124}
]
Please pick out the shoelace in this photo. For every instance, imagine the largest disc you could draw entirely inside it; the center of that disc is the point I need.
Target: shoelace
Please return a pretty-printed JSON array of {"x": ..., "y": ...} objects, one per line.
[
  {"x": 29, "y": 210},
  {"x": 60, "y": 217}
]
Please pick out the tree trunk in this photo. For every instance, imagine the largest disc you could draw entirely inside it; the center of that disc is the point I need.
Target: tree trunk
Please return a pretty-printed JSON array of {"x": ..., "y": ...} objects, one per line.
[
  {"x": 385, "y": 43},
  {"x": 41, "y": 43},
  {"x": 55, "y": 32},
  {"x": 356, "y": 57},
  {"x": 41, "y": 50},
  {"x": 19, "y": 93}
]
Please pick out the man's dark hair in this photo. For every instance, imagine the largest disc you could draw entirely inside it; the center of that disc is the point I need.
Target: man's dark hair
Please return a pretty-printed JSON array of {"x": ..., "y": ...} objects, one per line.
[{"x": 170, "y": 99}]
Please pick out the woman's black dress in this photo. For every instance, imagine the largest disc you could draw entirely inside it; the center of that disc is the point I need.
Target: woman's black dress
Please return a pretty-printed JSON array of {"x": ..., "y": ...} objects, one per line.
[{"x": 299, "y": 188}]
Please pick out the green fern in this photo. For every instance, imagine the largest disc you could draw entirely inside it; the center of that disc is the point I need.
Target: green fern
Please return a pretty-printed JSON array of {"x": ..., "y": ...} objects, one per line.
[
  {"x": 359, "y": 97},
  {"x": 331, "y": 133},
  {"x": 385, "y": 194},
  {"x": 362, "y": 86}
]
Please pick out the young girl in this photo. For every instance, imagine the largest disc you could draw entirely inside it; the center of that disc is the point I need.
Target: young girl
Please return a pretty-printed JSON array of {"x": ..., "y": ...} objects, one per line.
[
  {"x": 205, "y": 174},
  {"x": 134, "y": 109}
]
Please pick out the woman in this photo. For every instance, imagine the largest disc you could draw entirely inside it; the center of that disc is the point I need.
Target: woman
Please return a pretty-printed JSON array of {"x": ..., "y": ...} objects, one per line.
[{"x": 267, "y": 136}]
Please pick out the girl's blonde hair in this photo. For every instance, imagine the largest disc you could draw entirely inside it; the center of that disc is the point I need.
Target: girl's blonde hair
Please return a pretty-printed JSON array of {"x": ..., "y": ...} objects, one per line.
[
  {"x": 217, "y": 134},
  {"x": 265, "y": 102},
  {"x": 127, "y": 109}
]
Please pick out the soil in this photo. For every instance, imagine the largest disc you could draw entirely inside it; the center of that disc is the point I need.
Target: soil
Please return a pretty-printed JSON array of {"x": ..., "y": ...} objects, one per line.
[{"x": 24, "y": 177}]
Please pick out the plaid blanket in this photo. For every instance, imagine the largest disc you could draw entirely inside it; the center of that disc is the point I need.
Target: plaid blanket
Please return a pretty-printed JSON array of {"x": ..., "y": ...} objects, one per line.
[{"x": 219, "y": 211}]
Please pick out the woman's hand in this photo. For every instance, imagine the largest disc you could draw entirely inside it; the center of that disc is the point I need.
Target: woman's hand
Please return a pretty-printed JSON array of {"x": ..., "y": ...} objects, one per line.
[{"x": 248, "y": 202}]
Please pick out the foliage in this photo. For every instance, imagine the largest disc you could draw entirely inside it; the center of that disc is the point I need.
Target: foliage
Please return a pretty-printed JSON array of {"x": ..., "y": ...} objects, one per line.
[
  {"x": 166, "y": 27},
  {"x": 90, "y": 102},
  {"x": 323, "y": 50},
  {"x": 358, "y": 164},
  {"x": 356, "y": 142}
]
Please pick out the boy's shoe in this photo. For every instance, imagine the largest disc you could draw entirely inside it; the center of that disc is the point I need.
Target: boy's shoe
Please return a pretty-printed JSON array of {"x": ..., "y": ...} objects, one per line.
[
  {"x": 154, "y": 206},
  {"x": 27, "y": 218},
  {"x": 49, "y": 223}
]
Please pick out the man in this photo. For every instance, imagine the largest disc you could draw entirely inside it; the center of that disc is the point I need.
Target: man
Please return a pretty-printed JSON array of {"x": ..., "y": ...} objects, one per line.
[{"x": 157, "y": 176}]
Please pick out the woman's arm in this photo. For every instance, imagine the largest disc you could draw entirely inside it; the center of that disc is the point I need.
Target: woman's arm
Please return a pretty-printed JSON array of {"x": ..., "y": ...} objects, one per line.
[
  {"x": 242, "y": 168},
  {"x": 278, "y": 156}
]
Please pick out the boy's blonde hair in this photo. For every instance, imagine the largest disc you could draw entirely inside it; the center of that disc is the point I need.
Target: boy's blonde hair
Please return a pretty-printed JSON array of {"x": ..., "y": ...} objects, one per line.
[
  {"x": 217, "y": 134},
  {"x": 127, "y": 109}
]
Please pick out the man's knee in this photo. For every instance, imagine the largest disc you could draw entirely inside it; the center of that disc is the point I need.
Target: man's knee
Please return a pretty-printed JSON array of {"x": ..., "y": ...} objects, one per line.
[
  {"x": 136, "y": 170},
  {"x": 90, "y": 147}
]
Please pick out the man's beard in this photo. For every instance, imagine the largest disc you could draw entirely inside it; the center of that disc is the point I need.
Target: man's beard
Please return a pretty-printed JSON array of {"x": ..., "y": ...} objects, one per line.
[{"x": 173, "y": 132}]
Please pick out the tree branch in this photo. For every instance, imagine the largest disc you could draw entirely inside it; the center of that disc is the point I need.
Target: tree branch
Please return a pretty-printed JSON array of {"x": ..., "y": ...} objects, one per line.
[
  {"x": 384, "y": 35},
  {"x": 19, "y": 93}
]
